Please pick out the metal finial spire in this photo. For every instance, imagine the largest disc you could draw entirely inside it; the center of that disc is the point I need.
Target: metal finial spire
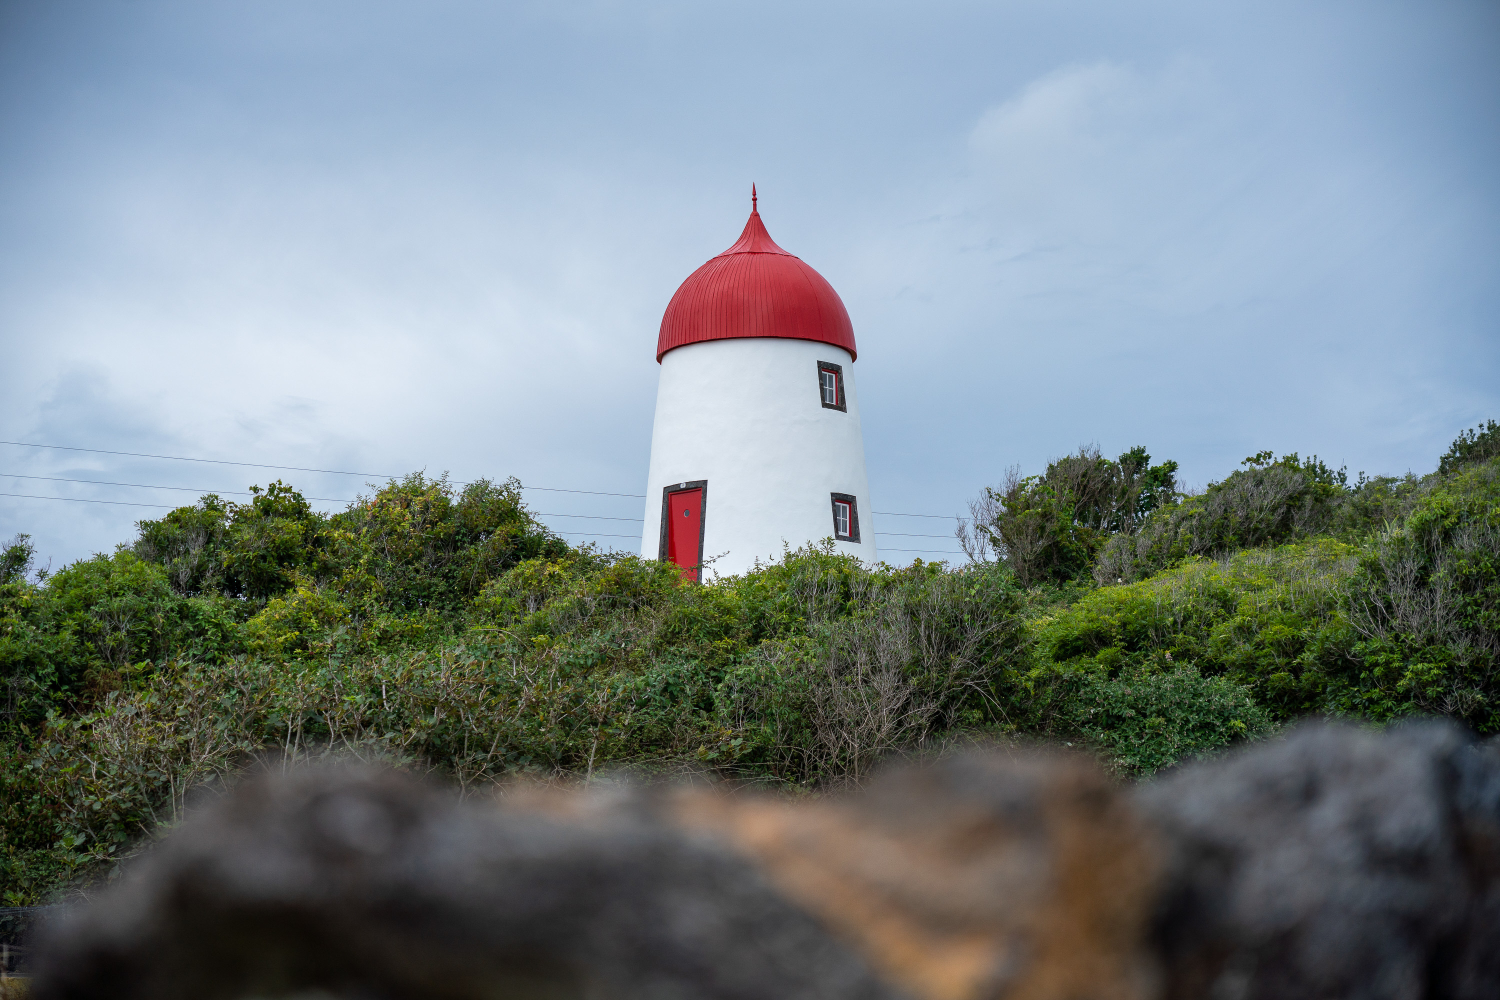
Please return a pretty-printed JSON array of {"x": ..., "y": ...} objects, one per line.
[{"x": 752, "y": 196}]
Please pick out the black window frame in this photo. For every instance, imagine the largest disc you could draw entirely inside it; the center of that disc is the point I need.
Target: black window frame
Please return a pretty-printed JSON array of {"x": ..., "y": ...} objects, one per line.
[
  {"x": 837, "y": 498},
  {"x": 666, "y": 513},
  {"x": 838, "y": 371}
]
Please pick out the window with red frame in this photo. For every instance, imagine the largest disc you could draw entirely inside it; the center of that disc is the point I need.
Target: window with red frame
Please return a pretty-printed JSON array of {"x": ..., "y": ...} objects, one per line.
[
  {"x": 831, "y": 386},
  {"x": 845, "y": 517}
]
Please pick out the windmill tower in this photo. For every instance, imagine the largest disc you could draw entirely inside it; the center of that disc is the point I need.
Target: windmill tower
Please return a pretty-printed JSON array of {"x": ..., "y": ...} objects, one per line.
[{"x": 757, "y": 442}]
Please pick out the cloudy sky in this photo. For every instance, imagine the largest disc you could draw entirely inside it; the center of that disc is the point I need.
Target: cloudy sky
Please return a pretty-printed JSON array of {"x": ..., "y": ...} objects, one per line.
[{"x": 382, "y": 237}]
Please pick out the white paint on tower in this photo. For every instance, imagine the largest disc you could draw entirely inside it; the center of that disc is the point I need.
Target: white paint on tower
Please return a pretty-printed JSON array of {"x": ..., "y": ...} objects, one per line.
[{"x": 747, "y": 416}]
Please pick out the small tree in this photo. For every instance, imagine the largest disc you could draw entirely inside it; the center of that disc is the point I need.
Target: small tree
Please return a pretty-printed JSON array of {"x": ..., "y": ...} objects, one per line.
[
  {"x": 1047, "y": 528},
  {"x": 1472, "y": 446}
]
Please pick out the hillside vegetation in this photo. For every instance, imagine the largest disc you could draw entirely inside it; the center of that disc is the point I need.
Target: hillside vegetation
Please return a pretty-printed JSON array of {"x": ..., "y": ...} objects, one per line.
[{"x": 447, "y": 630}]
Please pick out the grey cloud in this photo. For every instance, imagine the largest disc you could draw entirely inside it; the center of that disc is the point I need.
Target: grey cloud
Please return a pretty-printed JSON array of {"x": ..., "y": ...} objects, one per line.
[{"x": 450, "y": 232}]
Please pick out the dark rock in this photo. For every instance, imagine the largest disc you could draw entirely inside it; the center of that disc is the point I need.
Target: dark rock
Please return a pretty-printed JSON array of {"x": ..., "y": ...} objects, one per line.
[
  {"x": 1337, "y": 862},
  {"x": 982, "y": 875},
  {"x": 365, "y": 883}
]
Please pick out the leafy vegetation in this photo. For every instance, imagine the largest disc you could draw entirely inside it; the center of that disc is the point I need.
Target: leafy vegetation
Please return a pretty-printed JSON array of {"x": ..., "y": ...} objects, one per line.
[
  {"x": 1272, "y": 621},
  {"x": 1374, "y": 599},
  {"x": 1050, "y": 527},
  {"x": 1270, "y": 502},
  {"x": 1426, "y": 606},
  {"x": 445, "y": 629},
  {"x": 1478, "y": 444}
]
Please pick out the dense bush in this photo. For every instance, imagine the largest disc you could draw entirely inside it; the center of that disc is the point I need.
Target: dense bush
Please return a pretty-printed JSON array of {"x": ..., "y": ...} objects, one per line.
[
  {"x": 1088, "y": 518},
  {"x": 1048, "y": 528},
  {"x": 1427, "y": 605},
  {"x": 1479, "y": 444},
  {"x": 252, "y": 550},
  {"x": 414, "y": 544},
  {"x": 1143, "y": 721},
  {"x": 447, "y": 630},
  {"x": 1273, "y": 621},
  {"x": 804, "y": 672},
  {"x": 1270, "y": 502},
  {"x": 91, "y": 621},
  {"x": 1406, "y": 622}
]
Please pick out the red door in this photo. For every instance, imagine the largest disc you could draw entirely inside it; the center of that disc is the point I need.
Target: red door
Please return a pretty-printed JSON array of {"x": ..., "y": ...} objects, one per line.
[{"x": 685, "y": 531}]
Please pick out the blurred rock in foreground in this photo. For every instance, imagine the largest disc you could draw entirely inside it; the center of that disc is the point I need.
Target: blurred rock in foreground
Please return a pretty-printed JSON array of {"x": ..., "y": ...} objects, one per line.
[{"x": 1334, "y": 863}]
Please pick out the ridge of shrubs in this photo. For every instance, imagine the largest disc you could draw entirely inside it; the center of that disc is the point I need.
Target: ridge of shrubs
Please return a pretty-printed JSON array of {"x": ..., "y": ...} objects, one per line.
[{"x": 448, "y": 631}]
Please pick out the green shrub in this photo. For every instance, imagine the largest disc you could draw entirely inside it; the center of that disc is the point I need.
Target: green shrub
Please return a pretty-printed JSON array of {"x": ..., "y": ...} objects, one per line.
[
  {"x": 15, "y": 560},
  {"x": 1048, "y": 528},
  {"x": 253, "y": 550},
  {"x": 1271, "y": 502},
  {"x": 120, "y": 607},
  {"x": 920, "y": 652},
  {"x": 1146, "y": 721},
  {"x": 1271, "y": 620},
  {"x": 1427, "y": 607},
  {"x": 446, "y": 630},
  {"x": 419, "y": 544},
  {"x": 1374, "y": 502},
  {"x": 93, "y": 619},
  {"x": 526, "y": 587},
  {"x": 32, "y": 863},
  {"x": 1480, "y": 444},
  {"x": 805, "y": 671},
  {"x": 414, "y": 544},
  {"x": 41, "y": 658}
]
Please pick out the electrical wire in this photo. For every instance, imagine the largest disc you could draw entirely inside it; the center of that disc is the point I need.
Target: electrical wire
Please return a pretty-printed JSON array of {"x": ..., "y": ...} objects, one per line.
[
  {"x": 592, "y": 493},
  {"x": 596, "y": 534},
  {"x": 207, "y": 461},
  {"x": 585, "y": 534},
  {"x": 163, "y": 506},
  {"x": 369, "y": 475},
  {"x": 596, "y": 517},
  {"x": 892, "y": 513},
  {"x": 331, "y": 472},
  {"x": 284, "y": 468},
  {"x": 243, "y": 493},
  {"x": 144, "y": 486},
  {"x": 117, "y": 503},
  {"x": 188, "y": 489}
]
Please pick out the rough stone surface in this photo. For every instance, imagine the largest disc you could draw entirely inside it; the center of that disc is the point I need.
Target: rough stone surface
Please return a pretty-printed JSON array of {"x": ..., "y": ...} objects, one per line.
[
  {"x": 1334, "y": 863},
  {"x": 369, "y": 884},
  {"x": 980, "y": 876}
]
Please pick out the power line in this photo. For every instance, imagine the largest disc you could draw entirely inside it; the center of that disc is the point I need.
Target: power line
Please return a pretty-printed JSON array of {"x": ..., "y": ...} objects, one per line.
[
  {"x": 243, "y": 493},
  {"x": 600, "y": 517},
  {"x": 892, "y": 513},
  {"x": 585, "y": 534},
  {"x": 284, "y": 468},
  {"x": 167, "y": 506},
  {"x": 206, "y": 461},
  {"x": 592, "y": 493},
  {"x": 903, "y": 534},
  {"x": 117, "y": 503},
  {"x": 342, "y": 472},
  {"x": 144, "y": 486},
  {"x": 596, "y": 534}
]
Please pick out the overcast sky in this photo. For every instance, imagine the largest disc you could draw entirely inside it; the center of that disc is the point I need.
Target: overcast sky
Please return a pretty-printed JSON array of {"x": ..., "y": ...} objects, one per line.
[{"x": 384, "y": 237}]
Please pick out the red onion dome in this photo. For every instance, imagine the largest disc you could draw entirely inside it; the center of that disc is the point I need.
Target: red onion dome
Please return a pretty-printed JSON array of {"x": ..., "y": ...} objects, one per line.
[{"x": 755, "y": 289}]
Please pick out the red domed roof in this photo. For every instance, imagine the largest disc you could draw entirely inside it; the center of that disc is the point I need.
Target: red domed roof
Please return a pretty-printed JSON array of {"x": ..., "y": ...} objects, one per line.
[{"x": 755, "y": 289}]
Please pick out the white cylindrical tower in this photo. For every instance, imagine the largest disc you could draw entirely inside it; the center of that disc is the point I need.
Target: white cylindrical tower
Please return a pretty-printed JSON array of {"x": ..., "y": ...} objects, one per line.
[{"x": 757, "y": 444}]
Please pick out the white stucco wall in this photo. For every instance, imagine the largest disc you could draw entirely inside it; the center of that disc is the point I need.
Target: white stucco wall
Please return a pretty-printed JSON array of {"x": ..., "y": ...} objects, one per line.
[{"x": 746, "y": 415}]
